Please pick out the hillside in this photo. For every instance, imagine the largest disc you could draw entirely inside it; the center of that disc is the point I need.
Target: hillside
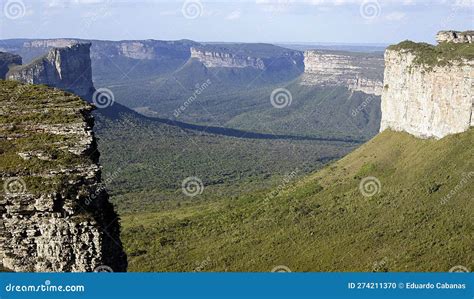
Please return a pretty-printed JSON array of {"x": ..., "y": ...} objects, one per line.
[{"x": 323, "y": 222}]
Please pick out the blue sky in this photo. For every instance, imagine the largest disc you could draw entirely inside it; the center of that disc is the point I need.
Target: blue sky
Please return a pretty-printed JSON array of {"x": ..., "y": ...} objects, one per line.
[{"x": 295, "y": 21}]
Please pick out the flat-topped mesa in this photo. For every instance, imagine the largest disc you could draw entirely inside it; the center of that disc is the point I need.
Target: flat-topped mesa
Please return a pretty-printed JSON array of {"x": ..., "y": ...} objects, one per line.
[
  {"x": 450, "y": 36},
  {"x": 261, "y": 57},
  {"x": 55, "y": 215},
  {"x": 225, "y": 59},
  {"x": 428, "y": 89},
  {"x": 356, "y": 71},
  {"x": 67, "y": 68}
]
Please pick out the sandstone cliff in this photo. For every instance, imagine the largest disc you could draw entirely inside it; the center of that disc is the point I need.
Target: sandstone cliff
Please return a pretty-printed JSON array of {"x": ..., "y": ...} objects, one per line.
[
  {"x": 455, "y": 37},
  {"x": 67, "y": 68},
  {"x": 357, "y": 71},
  {"x": 428, "y": 90},
  {"x": 55, "y": 213},
  {"x": 257, "y": 56}
]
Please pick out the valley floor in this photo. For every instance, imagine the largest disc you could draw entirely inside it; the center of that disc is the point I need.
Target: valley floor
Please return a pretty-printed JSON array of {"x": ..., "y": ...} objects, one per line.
[{"x": 395, "y": 204}]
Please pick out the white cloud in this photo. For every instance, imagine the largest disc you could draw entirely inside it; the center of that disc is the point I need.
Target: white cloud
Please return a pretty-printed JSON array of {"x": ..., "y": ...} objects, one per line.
[
  {"x": 395, "y": 16},
  {"x": 236, "y": 14}
]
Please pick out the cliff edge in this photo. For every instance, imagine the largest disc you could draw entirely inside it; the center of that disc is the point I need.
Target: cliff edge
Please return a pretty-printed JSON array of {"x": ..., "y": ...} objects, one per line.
[
  {"x": 55, "y": 213},
  {"x": 67, "y": 68},
  {"x": 428, "y": 90}
]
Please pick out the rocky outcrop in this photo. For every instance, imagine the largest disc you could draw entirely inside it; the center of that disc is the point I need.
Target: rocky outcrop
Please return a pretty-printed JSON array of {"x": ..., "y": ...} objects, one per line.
[
  {"x": 225, "y": 59},
  {"x": 67, "y": 68},
  {"x": 8, "y": 60},
  {"x": 428, "y": 92},
  {"x": 357, "y": 71},
  {"x": 54, "y": 211},
  {"x": 455, "y": 37},
  {"x": 262, "y": 57}
]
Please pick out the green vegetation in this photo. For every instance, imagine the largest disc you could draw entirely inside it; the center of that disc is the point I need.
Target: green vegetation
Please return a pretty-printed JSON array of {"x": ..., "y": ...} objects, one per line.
[
  {"x": 439, "y": 55},
  {"x": 30, "y": 148},
  {"x": 323, "y": 222},
  {"x": 147, "y": 161}
]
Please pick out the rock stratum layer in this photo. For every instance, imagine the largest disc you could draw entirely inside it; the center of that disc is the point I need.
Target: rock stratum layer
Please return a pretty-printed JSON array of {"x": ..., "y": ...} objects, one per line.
[
  {"x": 428, "y": 90},
  {"x": 257, "y": 56},
  {"x": 67, "y": 68},
  {"x": 55, "y": 213},
  {"x": 358, "y": 72}
]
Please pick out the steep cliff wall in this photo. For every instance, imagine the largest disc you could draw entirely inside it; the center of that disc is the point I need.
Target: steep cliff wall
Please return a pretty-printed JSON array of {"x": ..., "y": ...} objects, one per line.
[
  {"x": 8, "y": 60},
  {"x": 225, "y": 59},
  {"x": 428, "y": 90},
  {"x": 54, "y": 211},
  {"x": 359, "y": 72},
  {"x": 67, "y": 68},
  {"x": 256, "y": 56}
]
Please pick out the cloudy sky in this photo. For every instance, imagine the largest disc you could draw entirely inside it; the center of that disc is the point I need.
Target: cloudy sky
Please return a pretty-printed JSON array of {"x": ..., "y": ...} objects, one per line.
[{"x": 296, "y": 21}]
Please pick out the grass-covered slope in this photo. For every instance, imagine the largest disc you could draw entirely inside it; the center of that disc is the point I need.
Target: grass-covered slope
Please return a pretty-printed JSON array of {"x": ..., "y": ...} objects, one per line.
[{"x": 323, "y": 222}]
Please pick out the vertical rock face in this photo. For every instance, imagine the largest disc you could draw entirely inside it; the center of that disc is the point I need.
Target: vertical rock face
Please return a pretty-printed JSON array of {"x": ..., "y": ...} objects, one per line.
[
  {"x": 455, "y": 37},
  {"x": 223, "y": 59},
  {"x": 428, "y": 92},
  {"x": 67, "y": 68},
  {"x": 6, "y": 61},
  {"x": 262, "y": 57},
  {"x": 358, "y": 72},
  {"x": 55, "y": 213}
]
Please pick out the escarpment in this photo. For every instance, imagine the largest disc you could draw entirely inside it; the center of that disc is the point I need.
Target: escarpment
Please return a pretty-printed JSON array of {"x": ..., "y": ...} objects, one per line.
[
  {"x": 67, "y": 68},
  {"x": 357, "y": 71},
  {"x": 256, "y": 56},
  {"x": 428, "y": 90},
  {"x": 55, "y": 212}
]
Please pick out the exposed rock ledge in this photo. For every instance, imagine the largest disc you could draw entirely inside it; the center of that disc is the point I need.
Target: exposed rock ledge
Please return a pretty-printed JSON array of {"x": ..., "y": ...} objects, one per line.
[
  {"x": 428, "y": 90},
  {"x": 55, "y": 213},
  {"x": 67, "y": 68},
  {"x": 358, "y": 72}
]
